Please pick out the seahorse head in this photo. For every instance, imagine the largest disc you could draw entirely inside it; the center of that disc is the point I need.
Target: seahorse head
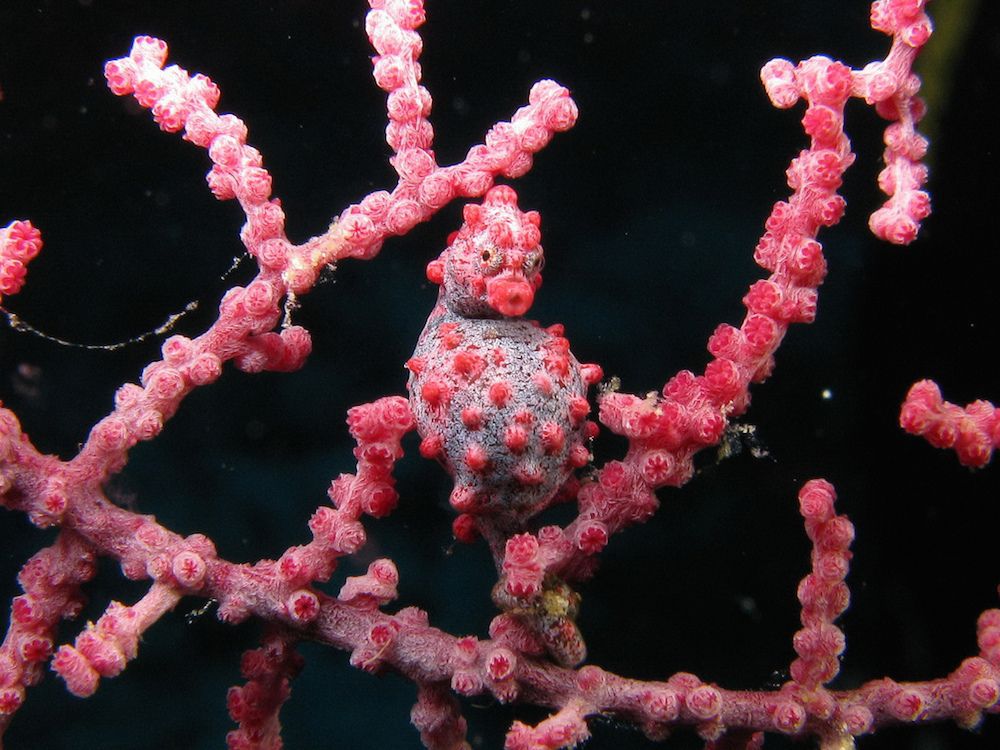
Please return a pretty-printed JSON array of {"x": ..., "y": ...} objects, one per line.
[{"x": 492, "y": 265}]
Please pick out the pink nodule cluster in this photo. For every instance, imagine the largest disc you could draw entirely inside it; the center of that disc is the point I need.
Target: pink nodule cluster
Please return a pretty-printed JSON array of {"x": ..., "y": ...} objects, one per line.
[
  {"x": 19, "y": 243},
  {"x": 507, "y": 410}
]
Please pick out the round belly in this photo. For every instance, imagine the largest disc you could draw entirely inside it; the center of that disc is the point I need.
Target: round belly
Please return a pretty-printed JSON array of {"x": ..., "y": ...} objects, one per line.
[{"x": 502, "y": 404}]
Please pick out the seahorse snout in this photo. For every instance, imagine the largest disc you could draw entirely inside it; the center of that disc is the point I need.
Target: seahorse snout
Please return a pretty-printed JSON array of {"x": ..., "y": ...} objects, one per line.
[{"x": 510, "y": 296}]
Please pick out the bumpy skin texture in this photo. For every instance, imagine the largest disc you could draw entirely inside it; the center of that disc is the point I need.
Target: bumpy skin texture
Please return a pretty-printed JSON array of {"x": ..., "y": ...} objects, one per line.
[{"x": 500, "y": 401}]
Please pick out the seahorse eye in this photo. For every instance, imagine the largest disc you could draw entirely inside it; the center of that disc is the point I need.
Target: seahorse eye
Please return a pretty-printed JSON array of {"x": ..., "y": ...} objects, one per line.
[
  {"x": 533, "y": 262},
  {"x": 492, "y": 259}
]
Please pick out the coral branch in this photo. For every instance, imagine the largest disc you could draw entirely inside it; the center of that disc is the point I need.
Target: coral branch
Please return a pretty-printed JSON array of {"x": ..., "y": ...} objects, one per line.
[
  {"x": 564, "y": 729},
  {"x": 823, "y": 593},
  {"x": 51, "y": 583},
  {"x": 972, "y": 431},
  {"x": 437, "y": 717},
  {"x": 892, "y": 88},
  {"x": 255, "y": 706},
  {"x": 105, "y": 647},
  {"x": 247, "y": 316},
  {"x": 666, "y": 430},
  {"x": 19, "y": 244},
  {"x": 502, "y": 403},
  {"x": 378, "y": 428}
]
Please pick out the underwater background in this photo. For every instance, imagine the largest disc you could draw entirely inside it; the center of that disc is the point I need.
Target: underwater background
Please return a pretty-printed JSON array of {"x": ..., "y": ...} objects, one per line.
[{"x": 651, "y": 207}]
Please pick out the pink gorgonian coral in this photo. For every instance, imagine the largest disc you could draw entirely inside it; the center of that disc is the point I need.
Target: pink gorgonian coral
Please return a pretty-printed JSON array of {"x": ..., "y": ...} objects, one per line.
[{"x": 691, "y": 623}]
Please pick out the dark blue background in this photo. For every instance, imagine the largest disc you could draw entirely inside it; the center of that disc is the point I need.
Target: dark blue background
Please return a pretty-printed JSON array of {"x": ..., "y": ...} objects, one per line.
[{"x": 651, "y": 207}]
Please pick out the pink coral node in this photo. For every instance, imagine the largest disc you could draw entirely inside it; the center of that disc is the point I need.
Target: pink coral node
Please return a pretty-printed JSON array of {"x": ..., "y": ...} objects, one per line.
[
  {"x": 973, "y": 431},
  {"x": 20, "y": 242},
  {"x": 903, "y": 18},
  {"x": 374, "y": 588}
]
